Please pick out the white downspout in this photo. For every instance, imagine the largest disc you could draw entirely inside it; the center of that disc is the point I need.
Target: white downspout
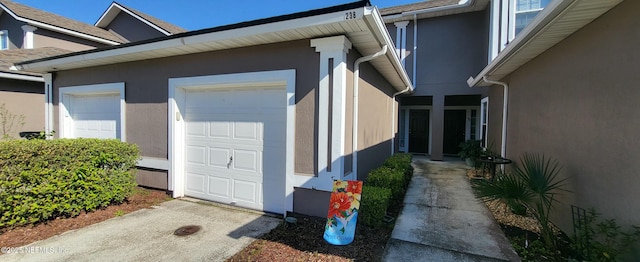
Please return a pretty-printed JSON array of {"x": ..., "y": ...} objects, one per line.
[
  {"x": 415, "y": 47},
  {"x": 354, "y": 131},
  {"x": 505, "y": 102},
  {"x": 393, "y": 118}
]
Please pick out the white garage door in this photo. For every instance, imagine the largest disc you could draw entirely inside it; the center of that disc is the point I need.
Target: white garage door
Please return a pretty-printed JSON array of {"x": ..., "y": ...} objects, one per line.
[
  {"x": 235, "y": 147},
  {"x": 95, "y": 116}
]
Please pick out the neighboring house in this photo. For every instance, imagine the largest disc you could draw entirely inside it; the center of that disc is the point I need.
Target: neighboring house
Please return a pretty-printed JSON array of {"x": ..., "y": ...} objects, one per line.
[
  {"x": 567, "y": 86},
  {"x": 28, "y": 33},
  {"x": 441, "y": 43},
  {"x": 260, "y": 114}
]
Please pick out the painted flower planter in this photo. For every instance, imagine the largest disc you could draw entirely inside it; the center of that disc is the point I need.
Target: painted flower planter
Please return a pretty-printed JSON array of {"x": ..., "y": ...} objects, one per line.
[{"x": 343, "y": 212}]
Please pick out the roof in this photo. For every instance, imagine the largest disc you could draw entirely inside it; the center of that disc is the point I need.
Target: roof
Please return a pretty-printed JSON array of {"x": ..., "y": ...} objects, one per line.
[
  {"x": 11, "y": 56},
  {"x": 557, "y": 21},
  {"x": 43, "y": 19},
  {"x": 115, "y": 8},
  {"x": 432, "y": 8},
  {"x": 363, "y": 27}
]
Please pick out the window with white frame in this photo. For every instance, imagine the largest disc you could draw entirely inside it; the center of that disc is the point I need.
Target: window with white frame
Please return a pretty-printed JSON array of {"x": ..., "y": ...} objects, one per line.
[
  {"x": 4, "y": 39},
  {"x": 508, "y": 19},
  {"x": 525, "y": 12},
  {"x": 484, "y": 120}
]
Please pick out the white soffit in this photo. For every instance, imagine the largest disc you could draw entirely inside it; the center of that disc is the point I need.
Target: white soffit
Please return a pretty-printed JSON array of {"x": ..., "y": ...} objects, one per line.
[
  {"x": 366, "y": 31},
  {"x": 557, "y": 21}
]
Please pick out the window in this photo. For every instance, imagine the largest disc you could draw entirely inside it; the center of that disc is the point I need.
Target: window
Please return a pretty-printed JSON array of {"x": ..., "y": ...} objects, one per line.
[
  {"x": 4, "y": 40},
  {"x": 526, "y": 11},
  {"x": 484, "y": 116}
]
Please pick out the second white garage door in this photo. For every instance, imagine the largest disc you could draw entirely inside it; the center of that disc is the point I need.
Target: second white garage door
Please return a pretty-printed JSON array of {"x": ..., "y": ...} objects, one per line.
[
  {"x": 95, "y": 116},
  {"x": 235, "y": 147}
]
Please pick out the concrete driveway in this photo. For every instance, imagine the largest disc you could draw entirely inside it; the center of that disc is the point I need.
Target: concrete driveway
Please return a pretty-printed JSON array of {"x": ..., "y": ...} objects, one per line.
[{"x": 148, "y": 235}]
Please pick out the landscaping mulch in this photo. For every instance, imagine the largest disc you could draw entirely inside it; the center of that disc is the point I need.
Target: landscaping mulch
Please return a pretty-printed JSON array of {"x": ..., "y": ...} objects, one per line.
[
  {"x": 304, "y": 242},
  {"x": 20, "y": 236}
]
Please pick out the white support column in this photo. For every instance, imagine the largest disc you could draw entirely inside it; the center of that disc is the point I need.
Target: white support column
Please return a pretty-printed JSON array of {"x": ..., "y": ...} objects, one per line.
[
  {"x": 401, "y": 40},
  {"x": 48, "y": 103},
  {"x": 333, "y": 49},
  {"x": 28, "y": 36}
]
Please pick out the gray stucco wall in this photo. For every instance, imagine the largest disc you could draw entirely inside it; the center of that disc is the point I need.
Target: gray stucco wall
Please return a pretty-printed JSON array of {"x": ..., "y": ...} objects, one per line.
[
  {"x": 131, "y": 28},
  {"x": 23, "y": 98},
  {"x": 16, "y": 35},
  {"x": 146, "y": 90},
  {"x": 578, "y": 103}
]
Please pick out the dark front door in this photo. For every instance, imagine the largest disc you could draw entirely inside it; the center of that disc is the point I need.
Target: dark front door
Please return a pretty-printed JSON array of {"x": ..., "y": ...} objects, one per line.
[
  {"x": 419, "y": 131},
  {"x": 454, "y": 130}
]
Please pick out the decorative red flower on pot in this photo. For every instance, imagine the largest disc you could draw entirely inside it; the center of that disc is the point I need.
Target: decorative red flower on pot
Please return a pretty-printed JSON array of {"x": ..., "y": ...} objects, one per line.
[
  {"x": 354, "y": 187},
  {"x": 338, "y": 204}
]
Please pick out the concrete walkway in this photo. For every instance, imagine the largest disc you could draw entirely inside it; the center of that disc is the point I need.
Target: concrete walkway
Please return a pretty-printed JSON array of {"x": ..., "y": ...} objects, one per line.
[
  {"x": 147, "y": 235},
  {"x": 443, "y": 221}
]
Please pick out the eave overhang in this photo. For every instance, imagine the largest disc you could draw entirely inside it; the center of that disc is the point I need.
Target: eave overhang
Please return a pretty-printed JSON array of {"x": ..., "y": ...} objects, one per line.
[
  {"x": 557, "y": 21},
  {"x": 359, "y": 21}
]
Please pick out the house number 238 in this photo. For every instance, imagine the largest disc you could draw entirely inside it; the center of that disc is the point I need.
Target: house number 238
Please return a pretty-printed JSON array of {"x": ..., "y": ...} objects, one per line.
[{"x": 350, "y": 15}]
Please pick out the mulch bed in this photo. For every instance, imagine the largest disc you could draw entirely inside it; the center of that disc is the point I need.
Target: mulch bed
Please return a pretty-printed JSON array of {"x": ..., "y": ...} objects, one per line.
[
  {"x": 20, "y": 236},
  {"x": 304, "y": 242}
]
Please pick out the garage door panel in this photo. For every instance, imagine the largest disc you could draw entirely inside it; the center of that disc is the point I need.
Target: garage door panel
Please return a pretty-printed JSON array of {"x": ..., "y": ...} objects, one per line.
[
  {"x": 247, "y": 131},
  {"x": 246, "y": 160},
  {"x": 197, "y": 155},
  {"x": 196, "y": 129},
  {"x": 220, "y": 129},
  {"x": 245, "y": 191},
  {"x": 219, "y": 157},
  {"x": 219, "y": 187},
  {"x": 195, "y": 182},
  {"x": 95, "y": 116}
]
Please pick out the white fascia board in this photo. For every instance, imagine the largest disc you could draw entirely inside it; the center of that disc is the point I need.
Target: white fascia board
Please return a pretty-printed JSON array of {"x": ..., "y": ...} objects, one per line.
[
  {"x": 304, "y": 22},
  {"x": 372, "y": 16},
  {"x": 107, "y": 15},
  {"x": 21, "y": 77}
]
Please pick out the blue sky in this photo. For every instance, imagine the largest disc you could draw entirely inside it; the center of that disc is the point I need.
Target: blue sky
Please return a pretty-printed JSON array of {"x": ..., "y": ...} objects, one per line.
[{"x": 194, "y": 14}]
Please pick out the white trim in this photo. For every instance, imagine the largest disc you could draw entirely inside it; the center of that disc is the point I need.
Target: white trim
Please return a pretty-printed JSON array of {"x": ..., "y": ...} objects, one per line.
[
  {"x": 107, "y": 15},
  {"x": 484, "y": 106},
  {"x": 65, "y": 122},
  {"x": 154, "y": 162},
  {"x": 21, "y": 77},
  {"x": 48, "y": 103},
  {"x": 4, "y": 36},
  {"x": 494, "y": 31},
  {"x": 176, "y": 103},
  {"x": 28, "y": 36},
  {"x": 336, "y": 48},
  {"x": 401, "y": 40}
]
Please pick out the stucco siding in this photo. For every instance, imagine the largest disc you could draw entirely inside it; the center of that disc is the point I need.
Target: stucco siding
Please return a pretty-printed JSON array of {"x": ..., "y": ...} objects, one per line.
[
  {"x": 146, "y": 89},
  {"x": 13, "y": 26},
  {"x": 374, "y": 123},
  {"x": 23, "y": 98},
  {"x": 450, "y": 49},
  {"x": 578, "y": 103},
  {"x": 47, "y": 38},
  {"x": 131, "y": 28}
]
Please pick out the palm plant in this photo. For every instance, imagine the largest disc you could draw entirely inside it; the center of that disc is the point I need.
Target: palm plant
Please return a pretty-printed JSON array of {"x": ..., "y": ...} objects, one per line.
[{"x": 532, "y": 185}]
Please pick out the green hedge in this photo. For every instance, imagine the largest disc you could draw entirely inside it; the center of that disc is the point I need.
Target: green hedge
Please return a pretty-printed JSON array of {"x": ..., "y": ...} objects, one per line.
[
  {"x": 44, "y": 179},
  {"x": 401, "y": 162},
  {"x": 374, "y": 203},
  {"x": 392, "y": 179}
]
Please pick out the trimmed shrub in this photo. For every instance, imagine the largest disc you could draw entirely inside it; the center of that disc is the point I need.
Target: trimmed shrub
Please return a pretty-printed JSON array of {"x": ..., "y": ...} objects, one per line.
[
  {"x": 373, "y": 205},
  {"x": 44, "y": 179},
  {"x": 401, "y": 161},
  {"x": 392, "y": 179}
]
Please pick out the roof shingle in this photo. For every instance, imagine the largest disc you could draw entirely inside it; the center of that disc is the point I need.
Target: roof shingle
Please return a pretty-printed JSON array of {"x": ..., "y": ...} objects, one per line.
[
  {"x": 171, "y": 28},
  {"x": 38, "y": 15}
]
